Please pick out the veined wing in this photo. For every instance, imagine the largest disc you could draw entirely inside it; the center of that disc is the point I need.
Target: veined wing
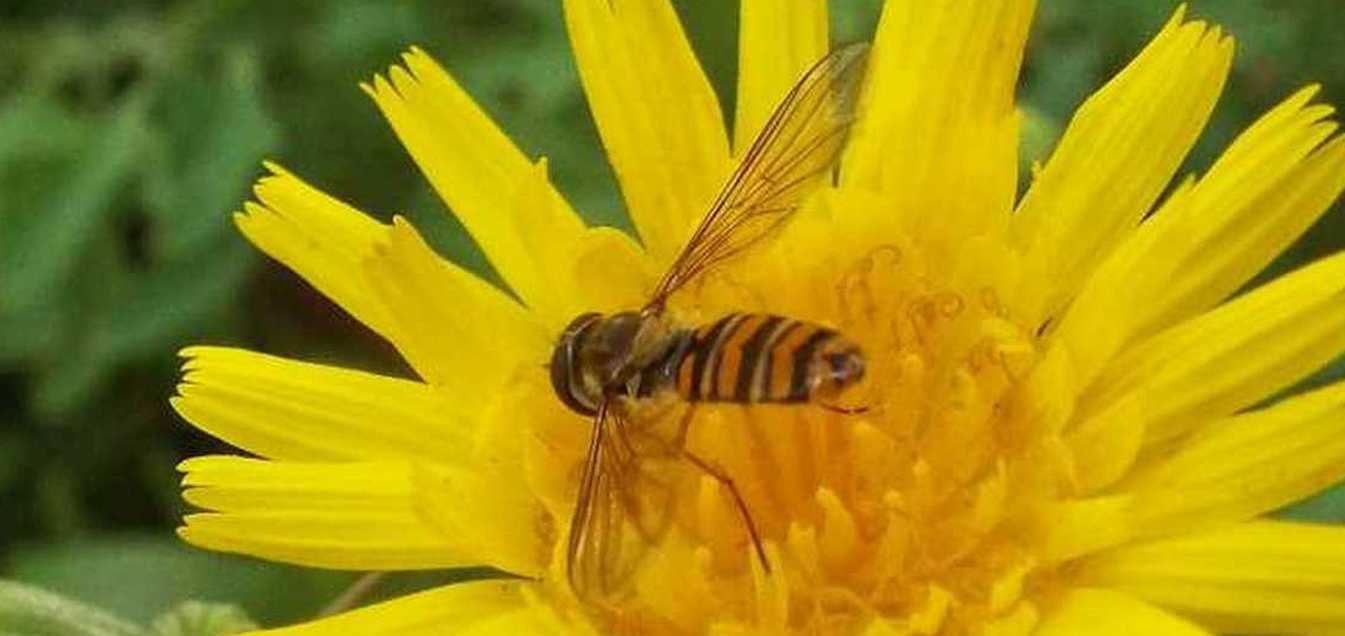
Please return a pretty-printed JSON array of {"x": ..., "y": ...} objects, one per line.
[
  {"x": 621, "y": 510},
  {"x": 793, "y": 154}
]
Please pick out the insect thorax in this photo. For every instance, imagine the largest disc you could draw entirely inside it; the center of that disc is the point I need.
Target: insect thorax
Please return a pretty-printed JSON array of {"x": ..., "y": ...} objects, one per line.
[{"x": 626, "y": 354}]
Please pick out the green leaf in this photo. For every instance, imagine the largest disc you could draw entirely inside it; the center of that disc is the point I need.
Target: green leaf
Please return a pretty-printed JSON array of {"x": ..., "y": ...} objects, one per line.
[
  {"x": 141, "y": 577},
  {"x": 1040, "y": 132},
  {"x": 34, "y": 125},
  {"x": 194, "y": 618},
  {"x": 354, "y": 31},
  {"x": 157, "y": 313},
  {"x": 26, "y": 332},
  {"x": 14, "y": 450},
  {"x": 212, "y": 134},
  {"x": 40, "y": 142},
  {"x": 1327, "y": 506},
  {"x": 44, "y": 251},
  {"x": 31, "y": 611}
]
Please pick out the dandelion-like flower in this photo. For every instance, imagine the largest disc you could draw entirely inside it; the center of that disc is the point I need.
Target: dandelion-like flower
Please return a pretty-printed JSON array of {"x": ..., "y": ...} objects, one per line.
[{"x": 1068, "y": 429}]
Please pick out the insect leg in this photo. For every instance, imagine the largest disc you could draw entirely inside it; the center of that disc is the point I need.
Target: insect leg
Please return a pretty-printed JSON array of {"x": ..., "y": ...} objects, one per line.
[
  {"x": 727, "y": 482},
  {"x": 683, "y": 426}
]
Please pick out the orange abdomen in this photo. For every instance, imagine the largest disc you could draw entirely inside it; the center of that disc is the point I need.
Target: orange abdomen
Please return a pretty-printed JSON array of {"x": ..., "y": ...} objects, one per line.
[{"x": 749, "y": 358}]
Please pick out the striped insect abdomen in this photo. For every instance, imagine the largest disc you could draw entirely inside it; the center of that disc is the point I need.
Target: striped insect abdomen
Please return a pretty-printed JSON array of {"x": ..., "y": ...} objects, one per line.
[{"x": 750, "y": 358}]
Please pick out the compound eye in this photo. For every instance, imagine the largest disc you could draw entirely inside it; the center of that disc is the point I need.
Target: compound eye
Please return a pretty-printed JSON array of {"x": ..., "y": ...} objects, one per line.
[
  {"x": 565, "y": 370},
  {"x": 845, "y": 366}
]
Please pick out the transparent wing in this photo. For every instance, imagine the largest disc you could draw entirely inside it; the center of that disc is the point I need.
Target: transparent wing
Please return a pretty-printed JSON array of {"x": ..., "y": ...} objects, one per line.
[
  {"x": 793, "y": 154},
  {"x": 621, "y": 510}
]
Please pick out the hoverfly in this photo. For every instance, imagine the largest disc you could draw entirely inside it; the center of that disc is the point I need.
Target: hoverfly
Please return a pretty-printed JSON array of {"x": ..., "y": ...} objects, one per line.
[{"x": 602, "y": 364}]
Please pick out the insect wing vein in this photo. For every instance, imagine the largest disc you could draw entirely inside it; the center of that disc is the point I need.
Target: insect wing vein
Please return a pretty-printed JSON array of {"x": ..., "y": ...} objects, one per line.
[
  {"x": 799, "y": 144},
  {"x": 619, "y": 512}
]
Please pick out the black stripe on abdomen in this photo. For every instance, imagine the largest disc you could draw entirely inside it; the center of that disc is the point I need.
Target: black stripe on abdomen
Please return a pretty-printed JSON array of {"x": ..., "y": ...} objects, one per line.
[
  {"x": 763, "y": 388},
  {"x": 702, "y": 349},
  {"x": 750, "y": 359},
  {"x": 802, "y": 359}
]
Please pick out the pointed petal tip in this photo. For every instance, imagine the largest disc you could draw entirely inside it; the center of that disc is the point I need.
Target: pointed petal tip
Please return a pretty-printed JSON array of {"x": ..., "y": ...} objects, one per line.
[
  {"x": 259, "y": 187},
  {"x": 1336, "y": 146},
  {"x": 1178, "y": 17},
  {"x": 403, "y": 81},
  {"x": 1307, "y": 92},
  {"x": 253, "y": 209},
  {"x": 190, "y": 532},
  {"x": 379, "y": 88},
  {"x": 194, "y": 496},
  {"x": 421, "y": 65},
  {"x": 178, "y": 402},
  {"x": 368, "y": 89},
  {"x": 275, "y": 167},
  {"x": 197, "y": 352},
  {"x": 190, "y": 524},
  {"x": 191, "y": 463}
]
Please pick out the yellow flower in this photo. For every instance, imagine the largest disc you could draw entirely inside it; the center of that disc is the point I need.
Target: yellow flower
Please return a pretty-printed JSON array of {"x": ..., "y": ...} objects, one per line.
[{"x": 1066, "y": 432}]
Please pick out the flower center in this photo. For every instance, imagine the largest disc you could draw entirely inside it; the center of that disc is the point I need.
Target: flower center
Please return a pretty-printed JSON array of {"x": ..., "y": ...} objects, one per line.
[{"x": 913, "y": 510}]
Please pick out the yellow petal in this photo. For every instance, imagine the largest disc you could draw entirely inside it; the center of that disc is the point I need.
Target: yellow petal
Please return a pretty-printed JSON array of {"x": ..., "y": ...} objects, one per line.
[
  {"x": 1214, "y": 234},
  {"x": 452, "y": 609},
  {"x": 548, "y": 242},
  {"x": 599, "y": 269},
  {"x": 424, "y": 305},
  {"x": 537, "y": 616},
  {"x": 880, "y": 627},
  {"x": 1117, "y": 155},
  {"x": 938, "y": 133},
  {"x": 1106, "y": 446},
  {"x": 455, "y": 329},
  {"x": 357, "y": 516},
  {"x": 1246, "y": 465},
  {"x": 485, "y": 179},
  {"x": 1230, "y": 358},
  {"x": 1259, "y": 577},
  {"x": 228, "y": 483},
  {"x": 778, "y": 40},
  {"x": 1022, "y": 620},
  {"x": 614, "y": 274},
  {"x": 322, "y": 239},
  {"x": 658, "y": 116},
  {"x": 488, "y": 509},
  {"x": 1076, "y": 527},
  {"x": 531, "y": 620},
  {"x": 1098, "y": 612},
  {"x": 284, "y": 409}
]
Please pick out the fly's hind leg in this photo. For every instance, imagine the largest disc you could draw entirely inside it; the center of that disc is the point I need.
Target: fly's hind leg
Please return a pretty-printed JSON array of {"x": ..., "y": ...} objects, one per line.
[
  {"x": 727, "y": 482},
  {"x": 683, "y": 426}
]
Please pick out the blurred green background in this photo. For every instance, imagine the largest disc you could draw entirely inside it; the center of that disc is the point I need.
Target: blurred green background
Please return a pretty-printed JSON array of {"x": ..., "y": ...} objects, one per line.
[{"x": 130, "y": 130}]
